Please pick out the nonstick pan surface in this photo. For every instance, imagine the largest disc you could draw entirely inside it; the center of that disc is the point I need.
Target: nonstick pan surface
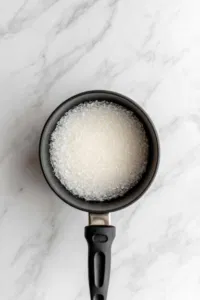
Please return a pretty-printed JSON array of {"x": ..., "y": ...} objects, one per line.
[{"x": 133, "y": 194}]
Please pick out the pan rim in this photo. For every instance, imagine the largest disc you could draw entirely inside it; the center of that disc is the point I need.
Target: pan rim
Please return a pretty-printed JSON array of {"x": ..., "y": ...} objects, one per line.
[{"x": 90, "y": 206}]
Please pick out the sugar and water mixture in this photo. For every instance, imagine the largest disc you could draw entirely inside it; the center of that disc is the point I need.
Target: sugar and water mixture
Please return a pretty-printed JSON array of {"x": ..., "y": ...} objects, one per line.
[{"x": 99, "y": 150}]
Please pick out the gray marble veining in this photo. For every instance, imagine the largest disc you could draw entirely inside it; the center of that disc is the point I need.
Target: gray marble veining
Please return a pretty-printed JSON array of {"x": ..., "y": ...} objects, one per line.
[{"x": 147, "y": 50}]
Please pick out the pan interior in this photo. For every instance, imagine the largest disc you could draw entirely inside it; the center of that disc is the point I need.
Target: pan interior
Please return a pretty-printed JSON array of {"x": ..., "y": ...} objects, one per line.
[{"x": 95, "y": 206}]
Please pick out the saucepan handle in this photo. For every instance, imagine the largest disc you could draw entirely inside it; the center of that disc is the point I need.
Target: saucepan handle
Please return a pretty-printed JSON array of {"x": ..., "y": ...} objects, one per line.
[{"x": 99, "y": 240}]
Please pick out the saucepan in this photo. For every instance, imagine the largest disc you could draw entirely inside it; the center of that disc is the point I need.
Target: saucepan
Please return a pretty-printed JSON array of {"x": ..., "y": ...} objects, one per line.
[{"x": 99, "y": 233}]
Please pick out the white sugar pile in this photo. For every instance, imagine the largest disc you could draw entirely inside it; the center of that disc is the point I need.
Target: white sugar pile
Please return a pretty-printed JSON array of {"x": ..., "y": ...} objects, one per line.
[{"x": 99, "y": 150}]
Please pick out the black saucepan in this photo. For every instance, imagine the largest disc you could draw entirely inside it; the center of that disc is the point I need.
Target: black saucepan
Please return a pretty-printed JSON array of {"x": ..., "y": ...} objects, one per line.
[{"x": 99, "y": 233}]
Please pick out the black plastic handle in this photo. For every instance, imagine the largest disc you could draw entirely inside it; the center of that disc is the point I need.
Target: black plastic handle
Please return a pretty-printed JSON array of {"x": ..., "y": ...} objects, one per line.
[{"x": 99, "y": 240}]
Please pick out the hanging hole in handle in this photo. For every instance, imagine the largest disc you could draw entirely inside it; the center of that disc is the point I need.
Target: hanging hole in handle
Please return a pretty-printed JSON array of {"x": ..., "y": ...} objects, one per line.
[
  {"x": 99, "y": 270},
  {"x": 98, "y": 297}
]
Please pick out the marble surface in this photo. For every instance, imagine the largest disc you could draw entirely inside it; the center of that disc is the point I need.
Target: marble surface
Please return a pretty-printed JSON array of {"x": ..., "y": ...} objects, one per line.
[{"x": 147, "y": 50}]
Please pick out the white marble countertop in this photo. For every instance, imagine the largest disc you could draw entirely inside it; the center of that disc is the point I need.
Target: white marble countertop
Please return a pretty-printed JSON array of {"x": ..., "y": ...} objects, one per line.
[{"x": 147, "y": 50}]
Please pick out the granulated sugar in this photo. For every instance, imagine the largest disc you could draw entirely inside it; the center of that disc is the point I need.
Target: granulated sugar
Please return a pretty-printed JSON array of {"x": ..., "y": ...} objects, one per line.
[{"x": 99, "y": 150}]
